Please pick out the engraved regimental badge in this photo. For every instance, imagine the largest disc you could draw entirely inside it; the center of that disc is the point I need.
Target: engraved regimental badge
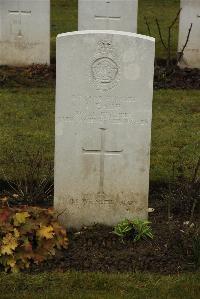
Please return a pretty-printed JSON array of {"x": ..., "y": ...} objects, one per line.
[{"x": 105, "y": 66}]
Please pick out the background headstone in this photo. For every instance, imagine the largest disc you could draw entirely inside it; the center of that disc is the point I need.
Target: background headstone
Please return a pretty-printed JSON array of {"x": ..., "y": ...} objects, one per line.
[
  {"x": 24, "y": 32},
  {"x": 190, "y": 14},
  {"x": 118, "y": 15},
  {"x": 103, "y": 126}
]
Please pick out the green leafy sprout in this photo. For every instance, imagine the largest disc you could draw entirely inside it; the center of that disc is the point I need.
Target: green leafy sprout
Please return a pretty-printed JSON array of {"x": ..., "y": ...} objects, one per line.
[{"x": 134, "y": 229}]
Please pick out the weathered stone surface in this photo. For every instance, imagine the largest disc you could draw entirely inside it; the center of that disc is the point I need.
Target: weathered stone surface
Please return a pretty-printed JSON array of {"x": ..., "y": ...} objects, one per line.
[
  {"x": 108, "y": 15},
  {"x": 103, "y": 126},
  {"x": 24, "y": 32},
  {"x": 190, "y": 13}
]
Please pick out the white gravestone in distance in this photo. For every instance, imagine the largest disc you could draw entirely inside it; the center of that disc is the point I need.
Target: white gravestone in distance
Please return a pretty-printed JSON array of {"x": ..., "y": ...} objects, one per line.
[
  {"x": 190, "y": 13},
  {"x": 24, "y": 32},
  {"x": 108, "y": 15},
  {"x": 103, "y": 126}
]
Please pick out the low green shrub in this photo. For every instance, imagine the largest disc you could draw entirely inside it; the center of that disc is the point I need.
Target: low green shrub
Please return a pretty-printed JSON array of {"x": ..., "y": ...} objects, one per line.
[
  {"x": 134, "y": 229},
  {"x": 29, "y": 235}
]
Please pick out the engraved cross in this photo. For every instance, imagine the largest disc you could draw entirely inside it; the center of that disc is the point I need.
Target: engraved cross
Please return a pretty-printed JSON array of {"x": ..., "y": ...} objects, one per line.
[
  {"x": 102, "y": 152},
  {"x": 19, "y": 13},
  {"x": 107, "y": 16}
]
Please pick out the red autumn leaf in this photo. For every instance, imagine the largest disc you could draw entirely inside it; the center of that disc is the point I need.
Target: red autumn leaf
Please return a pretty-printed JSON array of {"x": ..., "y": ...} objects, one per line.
[
  {"x": 4, "y": 215},
  {"x": 27, "y": 246}
]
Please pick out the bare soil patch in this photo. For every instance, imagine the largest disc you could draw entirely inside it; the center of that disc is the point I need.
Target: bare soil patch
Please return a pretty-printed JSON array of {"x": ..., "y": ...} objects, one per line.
[
  {"x": 43, "y": 75},
  {"x": 98, "y": 249}
]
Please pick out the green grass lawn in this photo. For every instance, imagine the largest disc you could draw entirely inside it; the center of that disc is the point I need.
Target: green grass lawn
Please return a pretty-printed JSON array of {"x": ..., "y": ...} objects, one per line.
[
  {"x": 65, "y": 18},
  {"x": 27, "y": 124},
  {"x": 74, "y": 285}
]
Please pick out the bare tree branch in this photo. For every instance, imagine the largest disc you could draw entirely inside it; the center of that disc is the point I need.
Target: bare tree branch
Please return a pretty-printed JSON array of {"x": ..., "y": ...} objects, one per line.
[
  {"x": 169, "y": 37},
  {"x": 196, "y": 170},
  {"x": 185, "y": 45},
  {"x": 167, "y": 46},
  {"x": 147, "y": 24},
  {"x": 160, "y": 34},
  {"x": 175, "y": 19}
]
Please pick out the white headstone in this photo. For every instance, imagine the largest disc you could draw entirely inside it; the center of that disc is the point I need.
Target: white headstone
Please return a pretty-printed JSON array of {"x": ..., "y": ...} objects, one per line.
[
  {"x": 24, "y": 32},
  {"x": 108, "y": 15},
  {"x": 190, "y": 13},
  {"x": 103, "y": 126}
]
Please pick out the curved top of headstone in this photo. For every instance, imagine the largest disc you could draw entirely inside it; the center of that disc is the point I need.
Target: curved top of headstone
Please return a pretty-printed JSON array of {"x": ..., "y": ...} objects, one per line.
[{"x": 111, "y": 32}]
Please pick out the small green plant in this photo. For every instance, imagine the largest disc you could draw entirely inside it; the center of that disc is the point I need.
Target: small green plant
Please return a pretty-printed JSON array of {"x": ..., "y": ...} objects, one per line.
[{"x": 134, "y": 229}]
